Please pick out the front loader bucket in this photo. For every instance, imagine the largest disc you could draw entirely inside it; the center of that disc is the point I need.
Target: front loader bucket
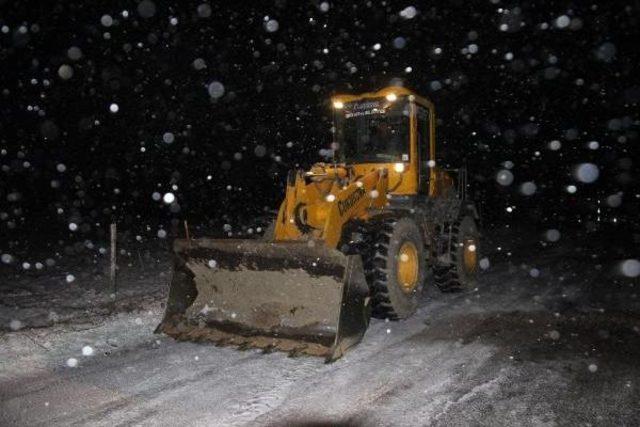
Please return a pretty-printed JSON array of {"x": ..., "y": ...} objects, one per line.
[{"x": 298, "y": 297}]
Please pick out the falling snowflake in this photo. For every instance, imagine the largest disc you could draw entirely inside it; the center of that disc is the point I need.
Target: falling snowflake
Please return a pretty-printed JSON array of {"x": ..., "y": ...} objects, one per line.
[
  {"x": 552, "y": 235},
  {"x": 586, "y": 172},
  {"x": 15, "y": 325},
  {"x": 215, "y": 89},
  {"x": 408, "y": 12},
  {"x": 614, "y": 200},
  {"x": 204, "y": 10},
  {"x": 65, "y": 72},
  {"x": 74, "y": 53},
  {"x": 528, "y": 188},
  {"x": 555, "y": 145},
  {"x": 168, "y": 137},
  {"x": 146, "y": 9},
  {"x": 562, "y": 21},
  {"x": 106, "y": 20},
  {"x": 199, "y": 64},
  {"x": 260, "y": 150},
  {"x": 169, "y": 198},
  {"x": 271, "y": 25},
  {"x": 399, "y": 42},
  {"x": 630, "y": 268},
  {"x": 504, "y": 177}
]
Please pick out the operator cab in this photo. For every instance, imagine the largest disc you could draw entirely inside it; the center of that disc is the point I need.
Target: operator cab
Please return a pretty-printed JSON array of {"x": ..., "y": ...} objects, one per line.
[
  {"x": 373, "y": 131},
  {"x": 392, "y": 128}
]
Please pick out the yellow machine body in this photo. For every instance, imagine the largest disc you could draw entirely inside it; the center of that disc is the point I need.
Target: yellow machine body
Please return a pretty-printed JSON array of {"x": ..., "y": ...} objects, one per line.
[{"x": 320, "y": 201}]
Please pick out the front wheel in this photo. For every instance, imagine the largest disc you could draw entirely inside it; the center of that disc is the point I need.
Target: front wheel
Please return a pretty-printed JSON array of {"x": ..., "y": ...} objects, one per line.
[{"x": 395, "y": 268}]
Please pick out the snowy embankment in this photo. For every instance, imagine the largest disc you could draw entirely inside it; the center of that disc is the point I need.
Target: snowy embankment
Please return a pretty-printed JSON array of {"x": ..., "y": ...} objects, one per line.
[
  {"x": 35, "y": 350},
  {"x": 68, "y": 312}
]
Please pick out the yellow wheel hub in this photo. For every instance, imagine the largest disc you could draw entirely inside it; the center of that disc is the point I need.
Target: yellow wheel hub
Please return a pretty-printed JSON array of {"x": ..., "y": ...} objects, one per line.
[
  {"x": 470, "y": 255},
  {"x": 408, "y": 267}
]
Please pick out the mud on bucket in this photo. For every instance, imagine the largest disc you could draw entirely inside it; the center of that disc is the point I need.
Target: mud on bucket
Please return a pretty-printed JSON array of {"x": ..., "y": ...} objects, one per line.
[{"x": 276, "y": 296}]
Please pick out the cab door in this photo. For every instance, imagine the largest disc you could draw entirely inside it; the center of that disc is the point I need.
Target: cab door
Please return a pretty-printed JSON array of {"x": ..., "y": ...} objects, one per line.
[{"x": 423, "y": 135}]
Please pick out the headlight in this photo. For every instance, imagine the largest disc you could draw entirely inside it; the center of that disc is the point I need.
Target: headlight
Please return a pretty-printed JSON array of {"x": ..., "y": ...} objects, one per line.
[
  {"x": 338, "y": 105},
  {"x": 391, "y": 97},
  {"x": 399, "y": 167}
]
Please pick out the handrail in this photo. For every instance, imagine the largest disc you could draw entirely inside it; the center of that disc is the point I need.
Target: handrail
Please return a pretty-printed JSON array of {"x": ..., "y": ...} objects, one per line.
[{"x": 461, "y": 182}]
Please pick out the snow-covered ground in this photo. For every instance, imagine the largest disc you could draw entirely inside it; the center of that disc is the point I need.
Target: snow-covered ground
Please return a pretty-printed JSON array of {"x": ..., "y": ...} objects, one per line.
[{"x": 550, "y": 337}]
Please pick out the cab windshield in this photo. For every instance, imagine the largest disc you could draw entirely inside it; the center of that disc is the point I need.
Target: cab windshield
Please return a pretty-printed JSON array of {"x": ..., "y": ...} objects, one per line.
[{"x": 374, "y": 130}]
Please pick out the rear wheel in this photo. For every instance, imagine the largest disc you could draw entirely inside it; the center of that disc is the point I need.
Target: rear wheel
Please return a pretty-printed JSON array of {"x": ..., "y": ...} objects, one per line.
[
  {"x": 461, "y": 273},
  {"x": 395, "y": 267}
]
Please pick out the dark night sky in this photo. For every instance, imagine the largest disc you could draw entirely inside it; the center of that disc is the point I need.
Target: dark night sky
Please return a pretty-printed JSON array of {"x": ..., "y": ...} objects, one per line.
[{"x": 507, "y": 78}]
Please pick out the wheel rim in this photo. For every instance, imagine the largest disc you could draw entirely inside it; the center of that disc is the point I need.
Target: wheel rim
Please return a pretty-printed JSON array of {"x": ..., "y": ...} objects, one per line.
[
  {"x": 408, "y": 267},
  {"x": 470, "y": 255}
]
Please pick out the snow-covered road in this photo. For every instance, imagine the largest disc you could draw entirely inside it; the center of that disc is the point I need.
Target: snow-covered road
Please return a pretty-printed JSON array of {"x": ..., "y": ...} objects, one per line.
[{"x": 520, "y": 350}]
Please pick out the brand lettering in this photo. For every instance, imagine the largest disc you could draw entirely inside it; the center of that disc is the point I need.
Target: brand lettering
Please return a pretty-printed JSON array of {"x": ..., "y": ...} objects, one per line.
[{"x": 351, "y": 200}]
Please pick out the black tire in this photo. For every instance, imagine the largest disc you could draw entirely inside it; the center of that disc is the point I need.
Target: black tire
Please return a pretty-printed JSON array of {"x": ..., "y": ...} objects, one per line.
[
  {"x": 386, "y": 237},
  {"x": 459, "y": 275}
]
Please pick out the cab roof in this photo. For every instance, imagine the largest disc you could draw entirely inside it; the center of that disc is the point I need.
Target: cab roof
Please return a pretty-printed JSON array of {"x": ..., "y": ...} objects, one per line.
[{"x": 398, "y": 90}]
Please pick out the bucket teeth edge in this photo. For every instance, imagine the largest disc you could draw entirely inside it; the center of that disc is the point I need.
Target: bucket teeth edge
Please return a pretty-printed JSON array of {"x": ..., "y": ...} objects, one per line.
[{"x": 183, "y": 331}]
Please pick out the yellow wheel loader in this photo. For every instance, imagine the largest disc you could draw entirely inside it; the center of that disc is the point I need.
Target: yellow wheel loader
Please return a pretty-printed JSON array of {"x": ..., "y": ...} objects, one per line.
[{"x": 354, "y": 237}]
